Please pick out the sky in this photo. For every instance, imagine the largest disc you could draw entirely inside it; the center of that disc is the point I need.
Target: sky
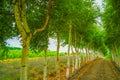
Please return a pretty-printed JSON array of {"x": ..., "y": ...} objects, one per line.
[
  {"x": 99, "y": 2},
  {"x": 15, "y": 42}
]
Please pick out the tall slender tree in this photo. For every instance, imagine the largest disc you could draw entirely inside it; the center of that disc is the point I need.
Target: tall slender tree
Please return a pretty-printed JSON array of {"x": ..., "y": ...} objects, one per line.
[{"x": 25, "y": 32}]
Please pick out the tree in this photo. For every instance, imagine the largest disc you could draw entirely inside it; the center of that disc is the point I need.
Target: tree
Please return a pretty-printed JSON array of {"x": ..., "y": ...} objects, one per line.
[
  {"x": 25, "y": 31},
  {"x": 111, "y": 24},
  {"x": 7, "y": 27}
]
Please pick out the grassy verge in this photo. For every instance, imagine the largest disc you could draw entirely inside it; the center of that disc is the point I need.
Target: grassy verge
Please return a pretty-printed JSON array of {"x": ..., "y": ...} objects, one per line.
[{"x": 10, "y": 69}]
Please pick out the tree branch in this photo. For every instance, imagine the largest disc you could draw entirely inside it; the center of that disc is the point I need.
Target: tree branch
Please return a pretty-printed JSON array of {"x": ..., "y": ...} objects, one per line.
[
  {"x": 17, "y": 18},
  {"x": 23, "y": 15},
  {"x": 46, "y": 21}
]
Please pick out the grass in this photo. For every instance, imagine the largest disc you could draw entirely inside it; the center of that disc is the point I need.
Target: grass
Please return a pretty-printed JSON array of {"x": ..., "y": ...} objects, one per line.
[
  {"x": 16, "y": 53},
  {"x": 10, "y": 69}
]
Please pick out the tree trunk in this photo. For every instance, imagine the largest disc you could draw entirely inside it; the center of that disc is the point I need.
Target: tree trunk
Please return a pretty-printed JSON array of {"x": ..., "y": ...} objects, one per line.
[
  {"x": 113, "y": 56},
  {"x": 24, "y": 59},
  {"x": 89, "y": 52},
  {"x": 79, "y": 61},
  {"x": 80, "y": 51},
  {"x": 68, "y": 55},
  {"x": 73, "y": 64},
  {"x": 93, "y": 53},
  {"x": 57, "y": 60},
  {"x": 76, "y": 60},
  {"x": 86, "y": 55},
  {"x": 113, "y": 52},
  {"x": 25, "y": 33},
  {"x": 45, "y": 66},
  {"x": 45, "y": 58},
  {"x": 73, "y": 61}
]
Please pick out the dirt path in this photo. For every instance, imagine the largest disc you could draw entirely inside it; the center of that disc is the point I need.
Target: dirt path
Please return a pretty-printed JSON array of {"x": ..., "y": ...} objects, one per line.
[{"x": 101, "y": 70}]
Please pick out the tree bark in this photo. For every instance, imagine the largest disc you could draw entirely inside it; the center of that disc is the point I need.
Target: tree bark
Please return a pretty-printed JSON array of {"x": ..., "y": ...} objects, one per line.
[
  {"x": 86, "y": 55},
  {"x": 24, "y": 58},
  {"x": 90, "y": 47},
  {"x": 45, "y": 60},
  {"x": 45, "y": 66},
  {"x": 113, "y": 56},
  {"x": 68, "y": 55},
  {"x": 79, "y": 61},
  {"x": 47, "y": 19},
  {"x": 25, "y": 33},
  {"x": 57, "y": 58},
  {"x": 114, "y": 49},
  {"x": 76, "y": 59},
  {"x": 73, "y": 60},
  {"x": 80, "y": 52}
]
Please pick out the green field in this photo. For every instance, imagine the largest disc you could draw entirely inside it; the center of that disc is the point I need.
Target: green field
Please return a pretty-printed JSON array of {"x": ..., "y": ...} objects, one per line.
[{"x": 17, "y": 52}]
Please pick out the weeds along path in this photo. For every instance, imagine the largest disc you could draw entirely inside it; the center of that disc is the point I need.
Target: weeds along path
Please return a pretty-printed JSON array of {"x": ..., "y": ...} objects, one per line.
[{"x": 101, "y": 69}]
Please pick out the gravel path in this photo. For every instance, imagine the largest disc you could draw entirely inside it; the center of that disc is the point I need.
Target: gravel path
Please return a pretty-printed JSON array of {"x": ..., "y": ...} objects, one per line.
[{"x": 101, "y": 70}]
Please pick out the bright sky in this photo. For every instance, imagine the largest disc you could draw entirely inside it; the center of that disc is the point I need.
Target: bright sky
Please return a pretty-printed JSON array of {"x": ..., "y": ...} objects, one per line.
[
  {"x": 99, "y": 2},
  {"x": 14, "y": 42},
  {"x": 53, "y": 46}
]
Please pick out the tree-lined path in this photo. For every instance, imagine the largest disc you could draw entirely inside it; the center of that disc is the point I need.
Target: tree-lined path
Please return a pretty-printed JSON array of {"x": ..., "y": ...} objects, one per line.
[
  {"x": 101, "y": 69},
  {"x": 84, "y": 28}
]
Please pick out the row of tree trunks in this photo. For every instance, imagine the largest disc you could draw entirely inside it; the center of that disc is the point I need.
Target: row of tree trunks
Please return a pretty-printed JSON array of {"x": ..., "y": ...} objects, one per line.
[{"x": 76, "y": 59}]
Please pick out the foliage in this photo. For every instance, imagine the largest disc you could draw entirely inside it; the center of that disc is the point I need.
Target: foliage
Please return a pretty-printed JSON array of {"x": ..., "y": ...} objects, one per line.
[
  {"x": 111, "y": 23},
  {"x": 39, "y": 42},
  {"x": 36, "y": 13},
  {"x": 7, "y": 26}
]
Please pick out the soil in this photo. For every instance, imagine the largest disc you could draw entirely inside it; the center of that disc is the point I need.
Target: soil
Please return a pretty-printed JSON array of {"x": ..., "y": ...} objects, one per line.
[{"x": 101, "y": 69}]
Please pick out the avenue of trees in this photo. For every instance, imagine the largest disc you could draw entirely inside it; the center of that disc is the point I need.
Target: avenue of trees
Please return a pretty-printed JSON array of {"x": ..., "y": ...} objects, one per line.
[{"x": 72, "y": 22}]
